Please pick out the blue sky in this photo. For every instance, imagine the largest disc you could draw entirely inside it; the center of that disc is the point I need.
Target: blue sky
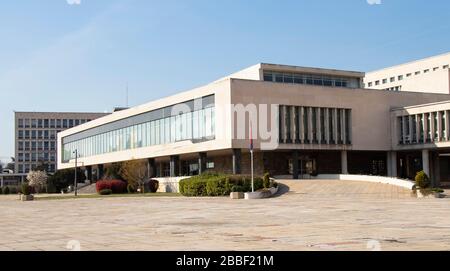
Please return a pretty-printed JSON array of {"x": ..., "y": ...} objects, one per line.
[{"x": 60, "y": 57}]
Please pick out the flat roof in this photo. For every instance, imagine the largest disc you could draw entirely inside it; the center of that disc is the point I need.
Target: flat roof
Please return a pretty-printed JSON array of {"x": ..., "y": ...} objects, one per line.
[
  {"x": 314, "y": 70},
  {"x": 410, "y": 62}
]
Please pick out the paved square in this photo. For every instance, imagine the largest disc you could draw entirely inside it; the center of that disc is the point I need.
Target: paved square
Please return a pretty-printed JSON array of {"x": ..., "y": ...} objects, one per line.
[{"x": 331, "y": 216}]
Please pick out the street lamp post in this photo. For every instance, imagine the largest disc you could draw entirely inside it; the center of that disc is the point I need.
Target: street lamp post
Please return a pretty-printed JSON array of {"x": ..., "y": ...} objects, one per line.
[{"x": 76, "y": 164}]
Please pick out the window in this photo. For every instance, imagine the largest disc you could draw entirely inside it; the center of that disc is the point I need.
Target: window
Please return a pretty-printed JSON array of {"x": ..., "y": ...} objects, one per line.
[
  {"x": 40, "y": 123},
  {"x": 435, "y": 69},
  {"x": 384, "y": 81},
  {"x": 20, "y": 123},
  {"x": 445, "y": 67},
  {"x": 20, "y": 134},
  {"x": 58, "y": 123},
  {"x": 268, "y": 77},
  {"x": 370, "y": 84},
  {"x": 417, "y": 73},
  {"x": 426, "y": 71},
  {"x": 33, "y": 123},
  {"x": 65, "y": 123},
  {"x": 377, "y": 83},
  {"x": 408, "y": 75},
  {"x": 400, "y": 77},
  {"x": 392, "y": 79},
  {"x": 210, "y": 165},
  {"x": 70, "y": 123},
  {"x": 27, "y": 123}
]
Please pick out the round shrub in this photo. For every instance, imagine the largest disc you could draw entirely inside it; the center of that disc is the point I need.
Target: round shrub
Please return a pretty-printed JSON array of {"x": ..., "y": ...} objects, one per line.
[
  {"x": 422, "y": 180},
  {"x": 25, "y": 189},
  {"x": 152, "y": 186},
  {"x": 116, "y": 186},
  {"x": 106, "y": 192},
  {"x": 5, "y": 190}
]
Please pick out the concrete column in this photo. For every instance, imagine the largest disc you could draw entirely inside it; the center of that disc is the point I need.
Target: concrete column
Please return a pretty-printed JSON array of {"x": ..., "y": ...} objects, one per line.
[
  {"x": 237, "y": 157},
  {"x": 350, "y": 128},
  {"x": 100, "y": 172},
  {"x": 392, "y": 164},
  {"x": 426, "y": 161},
  {"x": 447, "y": 125},
  {"x": 433, "y": 127},
  {"x": 302, "y": 124},
  {"x": 327, "y": 125},
  {"x": 295, "y": 164},
  {"x": 310, "y": 125},
  {"x": 343, "y": 124},
  {"x": 425, "y": 128},
  {"x": 344, "y": 164},
  {"x": 1, "y": 181},
  {"x": 294, "y": 124},
  {"x": 335, "y": 126},
  {"x": 439, "y": 125},
  {"x": 202, "y": 162},
  {"x": 174, "y": 165},
  {"x": 89, "y": 173},
  {"x": 411, "y": 123},
  {"x": 318, "y": 126},
  {"x": 417, "y": 128},
  {"x": 151, "y": 168}
]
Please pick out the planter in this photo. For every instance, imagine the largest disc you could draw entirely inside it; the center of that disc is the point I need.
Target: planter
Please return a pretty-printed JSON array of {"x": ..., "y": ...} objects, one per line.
[
  {"x": 438, "y": 195},
  {"x": 26, "y": 197},
  {"x": 236, "y": 195}
]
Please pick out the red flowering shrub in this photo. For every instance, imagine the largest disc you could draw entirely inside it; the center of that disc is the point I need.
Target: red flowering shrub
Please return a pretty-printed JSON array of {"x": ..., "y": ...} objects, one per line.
[{"x": 116, "y": 186}]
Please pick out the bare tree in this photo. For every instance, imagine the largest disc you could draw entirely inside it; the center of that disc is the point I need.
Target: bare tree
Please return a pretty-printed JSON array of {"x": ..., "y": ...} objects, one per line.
[{"x": 135, "y": 173}]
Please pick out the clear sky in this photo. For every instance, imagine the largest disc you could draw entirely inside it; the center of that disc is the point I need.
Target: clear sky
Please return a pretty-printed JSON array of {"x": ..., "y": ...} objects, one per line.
[{"x": 56, "y": 56}]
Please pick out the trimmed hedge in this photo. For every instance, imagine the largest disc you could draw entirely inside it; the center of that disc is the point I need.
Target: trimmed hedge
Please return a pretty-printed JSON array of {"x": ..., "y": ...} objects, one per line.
[
  {"x": 116, "y": 186},
  {"x": 213, "y": 185},
  {"x": 422, "y": 180}
]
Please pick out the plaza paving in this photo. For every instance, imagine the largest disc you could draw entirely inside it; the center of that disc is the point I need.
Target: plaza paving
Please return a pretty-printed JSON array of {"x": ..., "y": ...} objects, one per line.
[{"x": 313, "y": 215}]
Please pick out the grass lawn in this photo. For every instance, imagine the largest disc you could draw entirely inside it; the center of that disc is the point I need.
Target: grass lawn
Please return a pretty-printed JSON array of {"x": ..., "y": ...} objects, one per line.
[{"x": 96, "y": 196}]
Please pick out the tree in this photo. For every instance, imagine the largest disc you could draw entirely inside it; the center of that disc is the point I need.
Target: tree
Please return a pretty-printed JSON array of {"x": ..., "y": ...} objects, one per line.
[
  {"x": 37, "y": 179},
  {"x": 63, "y": 178},
  {"x": 135, "y": 173}
]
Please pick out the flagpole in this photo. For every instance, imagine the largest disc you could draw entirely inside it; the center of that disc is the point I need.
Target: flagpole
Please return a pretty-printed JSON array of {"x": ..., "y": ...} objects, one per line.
[
  {"x": 253, "y": 181},
  {"x": 251, "y": 156}
]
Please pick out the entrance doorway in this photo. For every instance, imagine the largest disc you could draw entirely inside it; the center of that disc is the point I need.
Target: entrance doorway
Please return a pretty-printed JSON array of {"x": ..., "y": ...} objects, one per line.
[{"x": 307, "y": 167}]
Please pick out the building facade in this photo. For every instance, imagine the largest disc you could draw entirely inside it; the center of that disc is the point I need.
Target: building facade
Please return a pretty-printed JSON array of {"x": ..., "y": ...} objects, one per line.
[
  {"x": 303, "y": 121},
  {"x": 430, "y": 75},
  {"x": 36, "y": 137}
]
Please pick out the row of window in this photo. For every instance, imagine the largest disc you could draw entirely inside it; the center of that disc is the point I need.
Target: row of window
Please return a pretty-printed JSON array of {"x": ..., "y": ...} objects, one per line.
[
  {"x": 36, "y": 145},
  {"x": 297, "y": 78},
  {"x": 314, "y": 125},
  {"x": 401, "y": 77},
  {"x": 37, "y": 134},
  {"x": 36, "y": 157},
  {"x": 50, "y": 123},
  {"x": 25, "y": 168},
  {"x": 197, "y": 125},
  {"x": 424, "y": 128},
  {"x": 397, "y": 88}
]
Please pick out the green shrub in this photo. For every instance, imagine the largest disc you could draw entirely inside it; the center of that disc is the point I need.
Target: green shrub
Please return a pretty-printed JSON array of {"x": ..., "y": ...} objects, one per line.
[
  {"x": 105, "y": 192},
  {"x": 422, "y": 180},
  {"x": 25, "y": 189},
  {"x": 214, "y": 185},
  {"x": 5, "y": 190}
]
